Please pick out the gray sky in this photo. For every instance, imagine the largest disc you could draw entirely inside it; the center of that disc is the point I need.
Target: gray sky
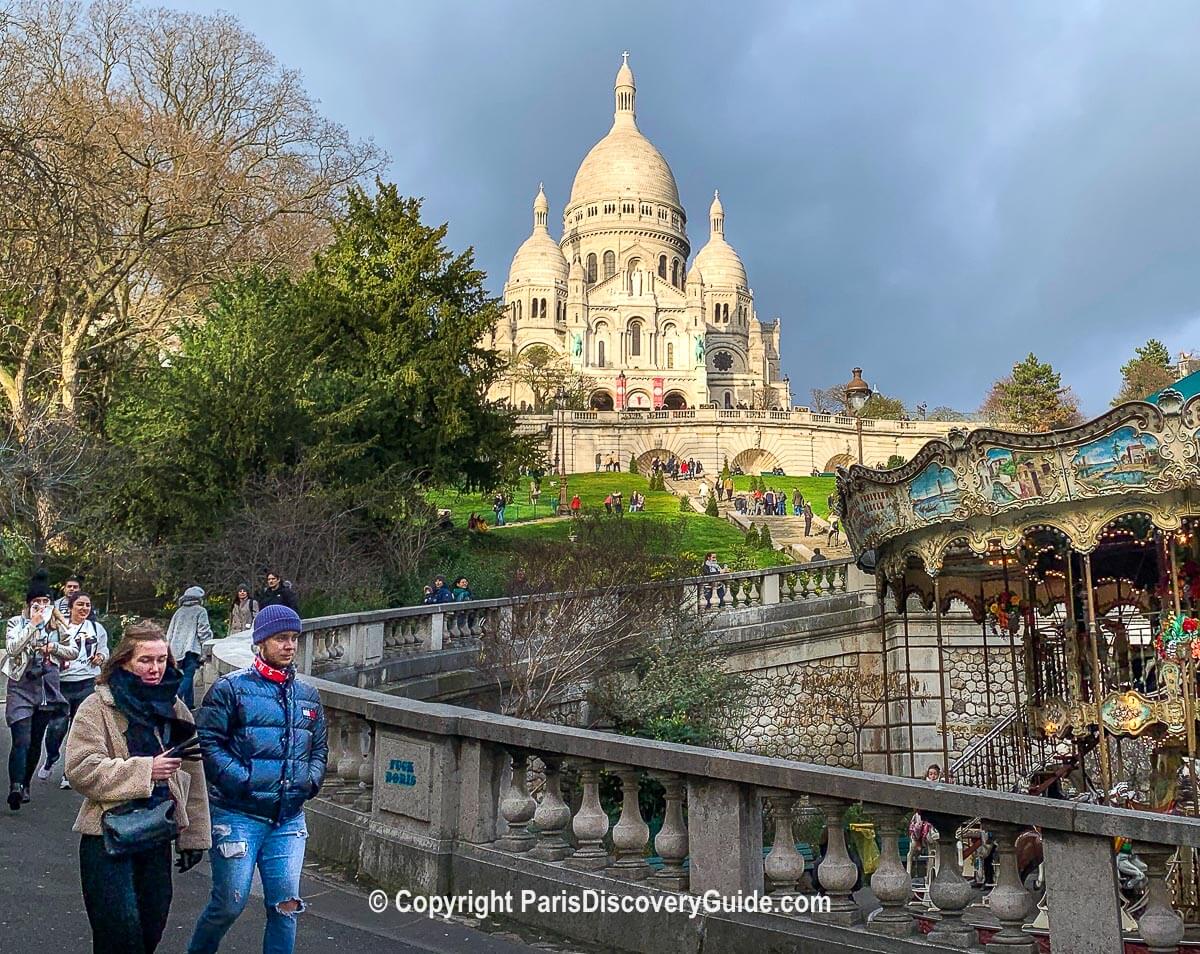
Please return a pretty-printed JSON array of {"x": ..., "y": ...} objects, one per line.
[{"x": 930, "y": 190}]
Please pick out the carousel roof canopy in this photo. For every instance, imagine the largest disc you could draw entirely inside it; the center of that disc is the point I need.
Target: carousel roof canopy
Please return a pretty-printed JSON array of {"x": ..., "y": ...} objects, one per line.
[
  {"x": 991, "y": 490},
  {"x": 1188, "y": 387}
]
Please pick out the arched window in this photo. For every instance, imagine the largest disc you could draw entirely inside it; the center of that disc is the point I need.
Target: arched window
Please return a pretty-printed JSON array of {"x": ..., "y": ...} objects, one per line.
[
  {"x": 543, "y": 310},
  {"x": 610, "y": 264},
  {"x": 600, "y": 354},
  {"x": 635, "y": 338},
  {"x": 670, "y": 355},
  {"x": 729, "y": 399},
  {"x": 725, "y": 310},
  {"x": 675, "y": 275},
  {"x": 591, "y": 268},
  {"x": 662, "y": 266},
  {"x": 518, "y": 304},
  {"x": 716, "y": 313},
  {"x": 533, "y": 308}
]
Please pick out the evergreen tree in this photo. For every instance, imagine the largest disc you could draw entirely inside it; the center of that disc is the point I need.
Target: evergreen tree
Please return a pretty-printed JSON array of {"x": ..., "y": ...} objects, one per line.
[
  {"x": 764, "y": 538},
  {"x": 752, "y": 537},
  {"x": 633, "y": 464},
  {"x": 1032, "y": 398},
  {"x": 1149, "y": 370},
  {"x": 710, "y": 508}
]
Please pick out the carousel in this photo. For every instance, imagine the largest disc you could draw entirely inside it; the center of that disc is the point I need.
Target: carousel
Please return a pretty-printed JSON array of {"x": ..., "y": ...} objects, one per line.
[{"x": 1076, "y": 555}]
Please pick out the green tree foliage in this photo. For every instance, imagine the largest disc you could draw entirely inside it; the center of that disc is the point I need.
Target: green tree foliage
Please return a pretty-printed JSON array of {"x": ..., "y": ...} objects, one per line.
[
  {"x": 1032, "y": 398},
  {"x": 633, "y": 464},
  {"x": 764, "y": 538},
  {"x": 895, "y": 461},
  {"x": 367, "y": 371},
  {"x": 711, "y": 508},
  {"x": 752, "y": 537},
  {"x": 681, "y": 694},
  {"x": 685, "y": 504},
  {"x": 884, "y": 408},
  {"x": 1149, "y": 370}
]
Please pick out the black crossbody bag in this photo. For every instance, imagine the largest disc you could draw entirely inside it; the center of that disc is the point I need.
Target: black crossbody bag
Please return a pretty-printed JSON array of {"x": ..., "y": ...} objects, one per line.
[{"x": 140, "y": 824}]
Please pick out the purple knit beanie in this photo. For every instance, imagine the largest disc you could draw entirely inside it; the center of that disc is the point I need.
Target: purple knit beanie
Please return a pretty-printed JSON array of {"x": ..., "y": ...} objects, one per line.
[{"x": 275, "y": 619}]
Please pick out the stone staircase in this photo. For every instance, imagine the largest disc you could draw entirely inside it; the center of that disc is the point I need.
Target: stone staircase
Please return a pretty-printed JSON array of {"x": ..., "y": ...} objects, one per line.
[{"x": 787, "y": 533}]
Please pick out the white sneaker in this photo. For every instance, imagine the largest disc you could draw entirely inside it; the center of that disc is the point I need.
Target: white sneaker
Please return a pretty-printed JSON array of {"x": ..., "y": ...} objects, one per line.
[
  {"x": 63, "y": 783},
  {"x": 44, "y": 772}
]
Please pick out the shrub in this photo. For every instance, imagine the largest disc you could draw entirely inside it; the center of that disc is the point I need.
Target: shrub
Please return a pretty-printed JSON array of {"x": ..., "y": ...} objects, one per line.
[
  {"x": 764, "y": 538},
  {"x": 752, "y": 537},
  {"x": 710, "y": 508},
  {"x": 685, "y": 504},
  {"x": 633, "y": 464}
]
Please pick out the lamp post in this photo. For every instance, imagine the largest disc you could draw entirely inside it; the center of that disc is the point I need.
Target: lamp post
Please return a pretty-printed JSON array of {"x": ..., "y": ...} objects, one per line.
[
  {"x": 560, "y": 463},
  {"x": 858, "y": 393}
]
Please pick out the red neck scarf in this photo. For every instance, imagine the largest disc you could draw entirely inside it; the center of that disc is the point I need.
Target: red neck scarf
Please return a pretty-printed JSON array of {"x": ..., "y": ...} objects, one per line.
[{"x": 269, "y": 672}]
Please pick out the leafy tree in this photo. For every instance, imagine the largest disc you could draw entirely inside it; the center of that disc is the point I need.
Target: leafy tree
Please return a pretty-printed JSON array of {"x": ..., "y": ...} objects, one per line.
[
  {"x": 711, "y": 508},
  {"x": 547, "y": 374},
  {"x": 752, "y": 537},
  {"x": 1149, "y": 370},
  {"x": 1032, "y": 398},
  {"x": 633, "y": 464},
  {"x": 764, "y": 538},
  {"x": 884, "y": 408},
  {"x": 828, "y": 400},
  {"x": 943, "y": 413},
  {"x": 894, "y": 461}
]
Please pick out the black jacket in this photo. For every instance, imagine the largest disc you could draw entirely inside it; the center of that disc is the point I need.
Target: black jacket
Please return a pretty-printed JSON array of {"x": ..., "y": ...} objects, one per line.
[
  {"x": 284, "y": 596},
  {"x": 265, "y": 745}
]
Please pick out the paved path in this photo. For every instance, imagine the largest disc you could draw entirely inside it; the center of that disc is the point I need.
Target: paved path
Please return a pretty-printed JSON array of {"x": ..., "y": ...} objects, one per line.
[{"x": 42, "y": 908}]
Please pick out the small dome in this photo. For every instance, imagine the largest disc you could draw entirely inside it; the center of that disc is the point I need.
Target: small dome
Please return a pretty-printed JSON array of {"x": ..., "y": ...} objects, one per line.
[
  {"x": 539, "y": 259},
  {"x": 721, "y": 266},
  {"x": 694, "y": 277}
]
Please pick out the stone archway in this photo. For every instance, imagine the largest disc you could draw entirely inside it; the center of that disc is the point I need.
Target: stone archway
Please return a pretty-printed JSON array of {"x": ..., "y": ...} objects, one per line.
[
  {"x": 601, "y": 401},
  {"x": 755, "y": 460},
  {"x": 646, "y": 458},
  {"x": 838, "y": 460},
  {"x": 637, "y": 400},
  {"x": 674, "y": 401}
]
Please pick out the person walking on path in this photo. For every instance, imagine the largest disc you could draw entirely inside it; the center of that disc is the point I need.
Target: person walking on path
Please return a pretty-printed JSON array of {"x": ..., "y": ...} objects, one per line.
[
  {"x": 77, "y": 680},
  {"x": 129, "y": 743},
  {"x": 797, "y": 503},
  {"x": 808, "y": 519},
  {"x": 498, "y": 506},
  {"x": 243, "y": 610},
  {"x": 35, "y": 647},
  {"x": 265, "y": 746},
  {"x": 576, "y": 504},
  {"x": 186, "y": 633},
  {"x": 277, "y": 593},
  {"x": 832, "y": 539}
]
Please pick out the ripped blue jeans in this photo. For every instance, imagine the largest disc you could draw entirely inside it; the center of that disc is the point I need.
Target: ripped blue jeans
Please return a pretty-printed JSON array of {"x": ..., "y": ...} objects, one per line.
[{"x": 239, "y": 844}]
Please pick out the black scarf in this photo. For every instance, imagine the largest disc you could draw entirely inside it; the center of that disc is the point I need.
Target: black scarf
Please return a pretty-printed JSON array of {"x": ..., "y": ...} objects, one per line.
[{"x": 150, "y": 711}]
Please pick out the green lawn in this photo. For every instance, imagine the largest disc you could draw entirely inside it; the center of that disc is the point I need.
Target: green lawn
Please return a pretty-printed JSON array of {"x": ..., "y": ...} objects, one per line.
[
  {"x": 815, "y": 489},
  {"x": 591, "y": 487}
]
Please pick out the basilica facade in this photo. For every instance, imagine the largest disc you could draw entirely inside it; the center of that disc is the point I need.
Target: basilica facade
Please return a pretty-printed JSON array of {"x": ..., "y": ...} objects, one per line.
[{"x": 616, "y": 298}]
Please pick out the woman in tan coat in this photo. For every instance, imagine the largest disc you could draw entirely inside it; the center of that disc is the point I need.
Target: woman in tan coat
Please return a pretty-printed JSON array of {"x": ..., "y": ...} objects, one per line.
[{"x": 118, "y": 752}]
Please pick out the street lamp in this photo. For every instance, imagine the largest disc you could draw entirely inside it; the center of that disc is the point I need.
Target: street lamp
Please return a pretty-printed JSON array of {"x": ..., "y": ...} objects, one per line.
[
  {"x": 858, "y": 393},
  {"x": 560, "y": 462}
]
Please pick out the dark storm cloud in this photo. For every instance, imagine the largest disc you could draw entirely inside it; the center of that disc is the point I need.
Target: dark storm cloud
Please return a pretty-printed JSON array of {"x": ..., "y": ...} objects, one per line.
[{"x": 928, "y": 190}]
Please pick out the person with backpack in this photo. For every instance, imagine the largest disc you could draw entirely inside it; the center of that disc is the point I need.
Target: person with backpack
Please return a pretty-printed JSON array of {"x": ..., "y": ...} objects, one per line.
[
  {"x": 186, "y": 633},
  {"x": 242, "y": 611}
]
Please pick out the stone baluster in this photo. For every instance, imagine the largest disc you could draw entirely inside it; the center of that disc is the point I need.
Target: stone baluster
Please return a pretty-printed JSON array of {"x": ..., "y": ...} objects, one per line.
[
  {"x": 631, "y": 833},
  {"x": 551, "y": 816},
  {"x": 837, "y": 872},
  {"x": 784, "y": 865},
  {"x": 347, "y": 766},
  {"x": 891, "y": 883},
  {"x": 1160, "y": 925},
  {"x": 366, "y": 768},
  {"x": 671, "y": 842},
  {"x": 950, "y": 892},
  {"x": 333, "y": 727},
  {"x": 1009, "y": 901},
  {"x": 590, "y": 824},
  {"x": 806, "y": 584},
  {"x": 517, "y": 808}
]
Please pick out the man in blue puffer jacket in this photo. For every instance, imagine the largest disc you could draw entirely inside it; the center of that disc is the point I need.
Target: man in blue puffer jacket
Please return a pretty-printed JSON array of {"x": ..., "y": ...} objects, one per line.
[{"x": 264, "y": 741}]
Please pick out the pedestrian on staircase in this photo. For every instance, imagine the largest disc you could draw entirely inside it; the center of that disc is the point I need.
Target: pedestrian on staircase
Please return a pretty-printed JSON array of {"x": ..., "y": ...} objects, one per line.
[
  {"x": 797, "y": 503},
  {"x": 808, "y": 519}
]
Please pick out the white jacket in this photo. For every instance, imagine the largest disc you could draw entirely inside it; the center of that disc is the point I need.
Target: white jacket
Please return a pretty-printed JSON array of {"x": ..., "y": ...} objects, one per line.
[{"x": 20, "y": 643}]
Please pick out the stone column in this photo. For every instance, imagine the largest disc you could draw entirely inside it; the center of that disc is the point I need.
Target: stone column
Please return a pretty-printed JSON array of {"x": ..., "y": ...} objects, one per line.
[
  {"x": 1009, "y": 901},
  {"x": 1081, "y": 893},
  {"x": 437, "y": 631},
  {"x": 1160, "y": 925},
  {"x": 590, "y": 824},
  {"x": 950, "y": 891},
  {"x": 366, "y": 768},
  {"x": 836, "y": 872},
  {"x": 784, "y": 865},
  {"x": 347, "y": 767},
  {"x": 769, "y": 592},
  {"x": 551, "y": 816},
  {"x": 517, "y": 808},
  {"x": 891, "y": 883},
  {"x": 671, "y": 842},
  {"x": 630, "y": 834},
  {"x": 724, "y": 837},
  {"x": 333, "y": 728}
]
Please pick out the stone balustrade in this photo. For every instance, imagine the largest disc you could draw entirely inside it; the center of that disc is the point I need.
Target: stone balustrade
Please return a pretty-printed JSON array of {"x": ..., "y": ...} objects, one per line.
[
  {"x": 713, "y": 414},
  {"x": 353, "y": 640},
  {"x": 437, "y": 798}
]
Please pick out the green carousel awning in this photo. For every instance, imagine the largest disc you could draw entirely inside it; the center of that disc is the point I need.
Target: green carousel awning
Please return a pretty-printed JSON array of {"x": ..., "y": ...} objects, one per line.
[{"x": 1189, "y": 387}]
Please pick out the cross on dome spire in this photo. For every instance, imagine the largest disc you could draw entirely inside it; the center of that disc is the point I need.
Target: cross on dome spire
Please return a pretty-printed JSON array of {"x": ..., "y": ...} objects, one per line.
[
  {"x": 716, "y": 214},
  {"x": 541, "y": 208},
  {"x": 625, "y": 91}
]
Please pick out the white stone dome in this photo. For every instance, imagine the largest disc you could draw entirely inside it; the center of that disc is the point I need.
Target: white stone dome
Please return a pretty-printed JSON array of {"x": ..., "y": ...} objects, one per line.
[
  {"x": 624, "y": 163},
  {"x": 718, "y": 262},
  {"x": 539, "y": 259}
]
